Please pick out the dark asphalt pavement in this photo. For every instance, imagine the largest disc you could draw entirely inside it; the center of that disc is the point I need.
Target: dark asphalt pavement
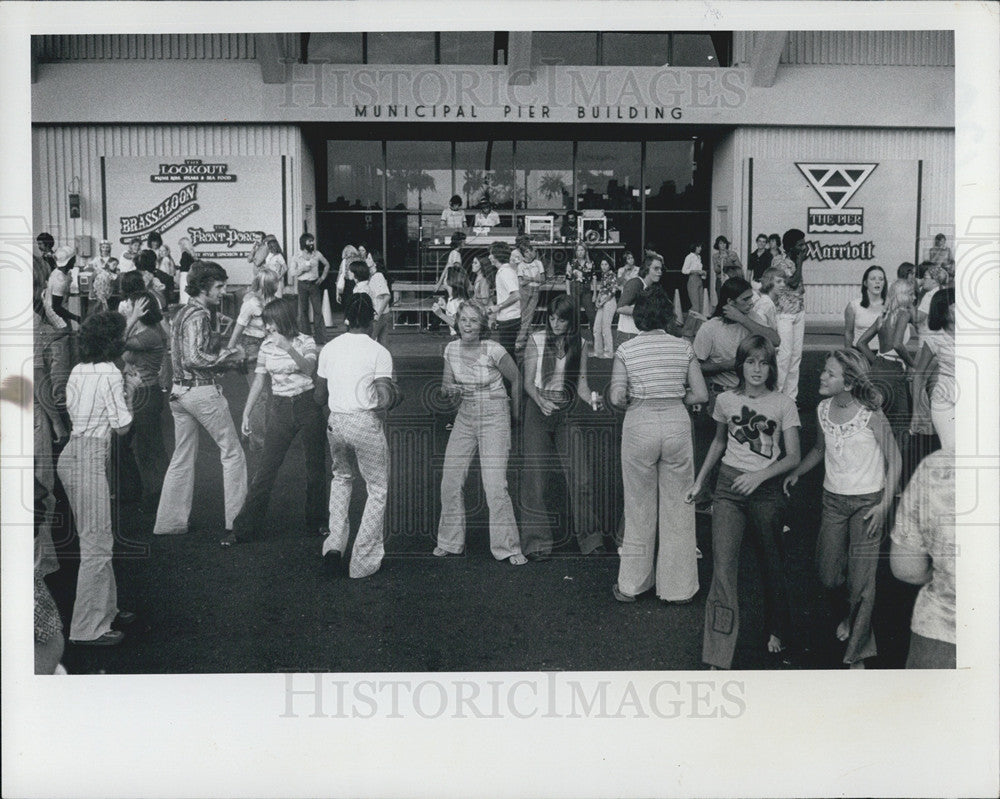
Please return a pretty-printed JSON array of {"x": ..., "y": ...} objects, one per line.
[{"x": 267, "y": 605}]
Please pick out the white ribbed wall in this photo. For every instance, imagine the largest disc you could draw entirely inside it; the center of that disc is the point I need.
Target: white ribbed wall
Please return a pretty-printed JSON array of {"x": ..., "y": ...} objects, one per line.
[
  {"x": 61, "y": 152},
  {"x": 858, "y": 48},
  {"x": 936, "y": 148}
]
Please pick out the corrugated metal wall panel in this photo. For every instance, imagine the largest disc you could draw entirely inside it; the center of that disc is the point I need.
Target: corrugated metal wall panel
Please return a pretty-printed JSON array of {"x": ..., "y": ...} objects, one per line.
[
  {"x": 866, "y": 48},
  {"x": 159, "y": 47},
  {"x": 60, "y": 153}
]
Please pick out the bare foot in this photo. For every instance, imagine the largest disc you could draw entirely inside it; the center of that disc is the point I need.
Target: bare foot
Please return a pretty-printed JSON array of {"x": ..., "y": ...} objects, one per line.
[
  {"x": 858, "y": 664},
  {"x": 517, "y": 560},
  {"x": 843, "y": 630},
  {"x": 774, "y": 645}
]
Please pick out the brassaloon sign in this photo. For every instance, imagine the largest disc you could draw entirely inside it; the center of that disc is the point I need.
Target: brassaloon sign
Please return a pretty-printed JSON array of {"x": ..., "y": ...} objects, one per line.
[
  {"x": 854, "y": 213},
  {"x": 223, "y": 205}
]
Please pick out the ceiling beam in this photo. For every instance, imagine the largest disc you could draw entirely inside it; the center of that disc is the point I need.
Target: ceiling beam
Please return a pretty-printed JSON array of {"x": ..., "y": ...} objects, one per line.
[
  {"x": 519, "y": 59},
  {"x": 767, "y": 49},
  {"x": 270, "y": 56}
]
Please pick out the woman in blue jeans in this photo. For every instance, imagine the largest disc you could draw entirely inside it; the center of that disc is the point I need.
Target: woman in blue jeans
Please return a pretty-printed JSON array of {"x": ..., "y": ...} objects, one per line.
[
  {"x": 657, "y": 375},
  {"x": 555, "y": 378},
  {"x": 287, "y": 359},
  {"x": 475, "y": 370},
  {"x": 752, "y": 422}
]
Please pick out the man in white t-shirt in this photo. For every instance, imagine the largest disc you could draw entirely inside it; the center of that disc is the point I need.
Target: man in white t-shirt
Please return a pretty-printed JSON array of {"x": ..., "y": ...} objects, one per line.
[
  {"x": 508, "y": 308},
  {"x": 354, "y": 379}
]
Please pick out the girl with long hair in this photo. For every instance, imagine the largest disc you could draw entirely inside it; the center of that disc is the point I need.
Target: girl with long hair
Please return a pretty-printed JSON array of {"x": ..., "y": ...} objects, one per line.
[
  {"x": 860, "y": 314},
  {"x": 579, "y": 274},
  {"x": 862, "y": 462},
  {"x": 757, "y": 440},
  {"x": 555, "y": 380},
  {"x": 891, "y": 360},
  {"x": 249, "y": 333},
  {"x": 457, "y": 288}
]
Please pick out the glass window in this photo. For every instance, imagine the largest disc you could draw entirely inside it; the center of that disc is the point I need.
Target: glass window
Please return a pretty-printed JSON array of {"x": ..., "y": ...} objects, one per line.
[
  {"x": 401, "y": 48},
  {"x": 629, "y": 229},
  {"x": 467, "y": 47},
  {"x": 545, "y": 175},
  {"x": 485, "y": 169},
  {"x": 354, "y": 174},
  {"x": 607, "y": 175},
  {"x": 576, "y": 48},
  {"x": 334, "y": 48},
  {"x": 419, "y": 175},
  {"x": 402, "y": 241},
  {"x": 670, "y": 175},
  {"x": 671, "y": 236},
  {"x": 635, "y": 49},
  {"x": 693, "y": 50},
  {"x": 337, "y": 229}
]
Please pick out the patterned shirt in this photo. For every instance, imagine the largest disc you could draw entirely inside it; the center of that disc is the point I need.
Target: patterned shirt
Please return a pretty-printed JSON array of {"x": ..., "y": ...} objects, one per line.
[
  {"x": 656, "y": 364},
  {"x": 790, "y": 301},
  {"x": 195, "y": 345},
  {"x": 754, "y": 426},
  {"x": 925, "y": 521},
  {"x": 607, "y": 284},
  {"x": 287, "y": 379}
]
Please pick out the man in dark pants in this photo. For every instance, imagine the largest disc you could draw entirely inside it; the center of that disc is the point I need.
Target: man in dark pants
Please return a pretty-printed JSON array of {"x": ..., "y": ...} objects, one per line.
[{"x": 311, "y": 270}]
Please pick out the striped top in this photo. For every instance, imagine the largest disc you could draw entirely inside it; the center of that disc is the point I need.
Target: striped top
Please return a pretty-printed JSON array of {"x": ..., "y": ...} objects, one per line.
[
  {"x": 287, "y": 379},
  {"x": 656, "y": 364},
  {"x": 96, "y": 399}
]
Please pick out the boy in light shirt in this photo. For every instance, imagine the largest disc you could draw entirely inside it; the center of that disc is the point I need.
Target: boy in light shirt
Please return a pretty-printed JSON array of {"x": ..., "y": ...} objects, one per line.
[{"x": 772, "y": 281}]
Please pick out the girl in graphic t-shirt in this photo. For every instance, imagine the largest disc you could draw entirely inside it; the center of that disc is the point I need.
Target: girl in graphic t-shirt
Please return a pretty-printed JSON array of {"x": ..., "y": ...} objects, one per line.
[
  {"x": 862, "y": 463},
  {"x": 752, "y": 421}
]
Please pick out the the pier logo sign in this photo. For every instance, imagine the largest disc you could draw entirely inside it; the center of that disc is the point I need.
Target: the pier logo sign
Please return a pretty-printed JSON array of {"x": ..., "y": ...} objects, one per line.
[{"x": 836, "y": 185}]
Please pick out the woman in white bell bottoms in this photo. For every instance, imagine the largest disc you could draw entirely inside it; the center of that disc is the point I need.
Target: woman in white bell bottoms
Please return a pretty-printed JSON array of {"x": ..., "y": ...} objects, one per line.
[
  {"x": 96, "y": 406},
  {"x": 475, "y": 369},
  {"x": 657, "y": 374}
]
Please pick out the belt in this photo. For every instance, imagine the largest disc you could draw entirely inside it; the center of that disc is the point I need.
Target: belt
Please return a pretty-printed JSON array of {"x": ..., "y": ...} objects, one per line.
[{"x": 195, "y": 381}]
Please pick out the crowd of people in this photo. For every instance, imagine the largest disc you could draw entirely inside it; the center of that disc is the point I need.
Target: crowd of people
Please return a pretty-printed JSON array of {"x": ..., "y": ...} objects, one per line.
[{"x": 152, "y": 331}]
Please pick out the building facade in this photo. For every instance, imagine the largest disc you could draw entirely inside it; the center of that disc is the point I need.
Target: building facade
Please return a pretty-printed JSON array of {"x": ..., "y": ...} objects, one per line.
[{"x": 670, "y": 138}]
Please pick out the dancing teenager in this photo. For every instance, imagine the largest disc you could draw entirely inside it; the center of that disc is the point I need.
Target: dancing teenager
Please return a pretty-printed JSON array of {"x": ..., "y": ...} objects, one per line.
[
  {"x": 474, "y": 372},
  {"x": 555, "y": 380},
  {"x": 757, "y": 439},
  {"x": 287, "y": 360},
  {"x": 862, "y": 464},
  {"x": 354, "y": 379},
  {"x": 196, "y": 400}
]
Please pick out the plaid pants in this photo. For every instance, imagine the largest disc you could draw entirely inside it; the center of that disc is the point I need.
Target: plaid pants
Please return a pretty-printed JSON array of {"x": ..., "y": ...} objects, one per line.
[{"x": 362, "y": 434}]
